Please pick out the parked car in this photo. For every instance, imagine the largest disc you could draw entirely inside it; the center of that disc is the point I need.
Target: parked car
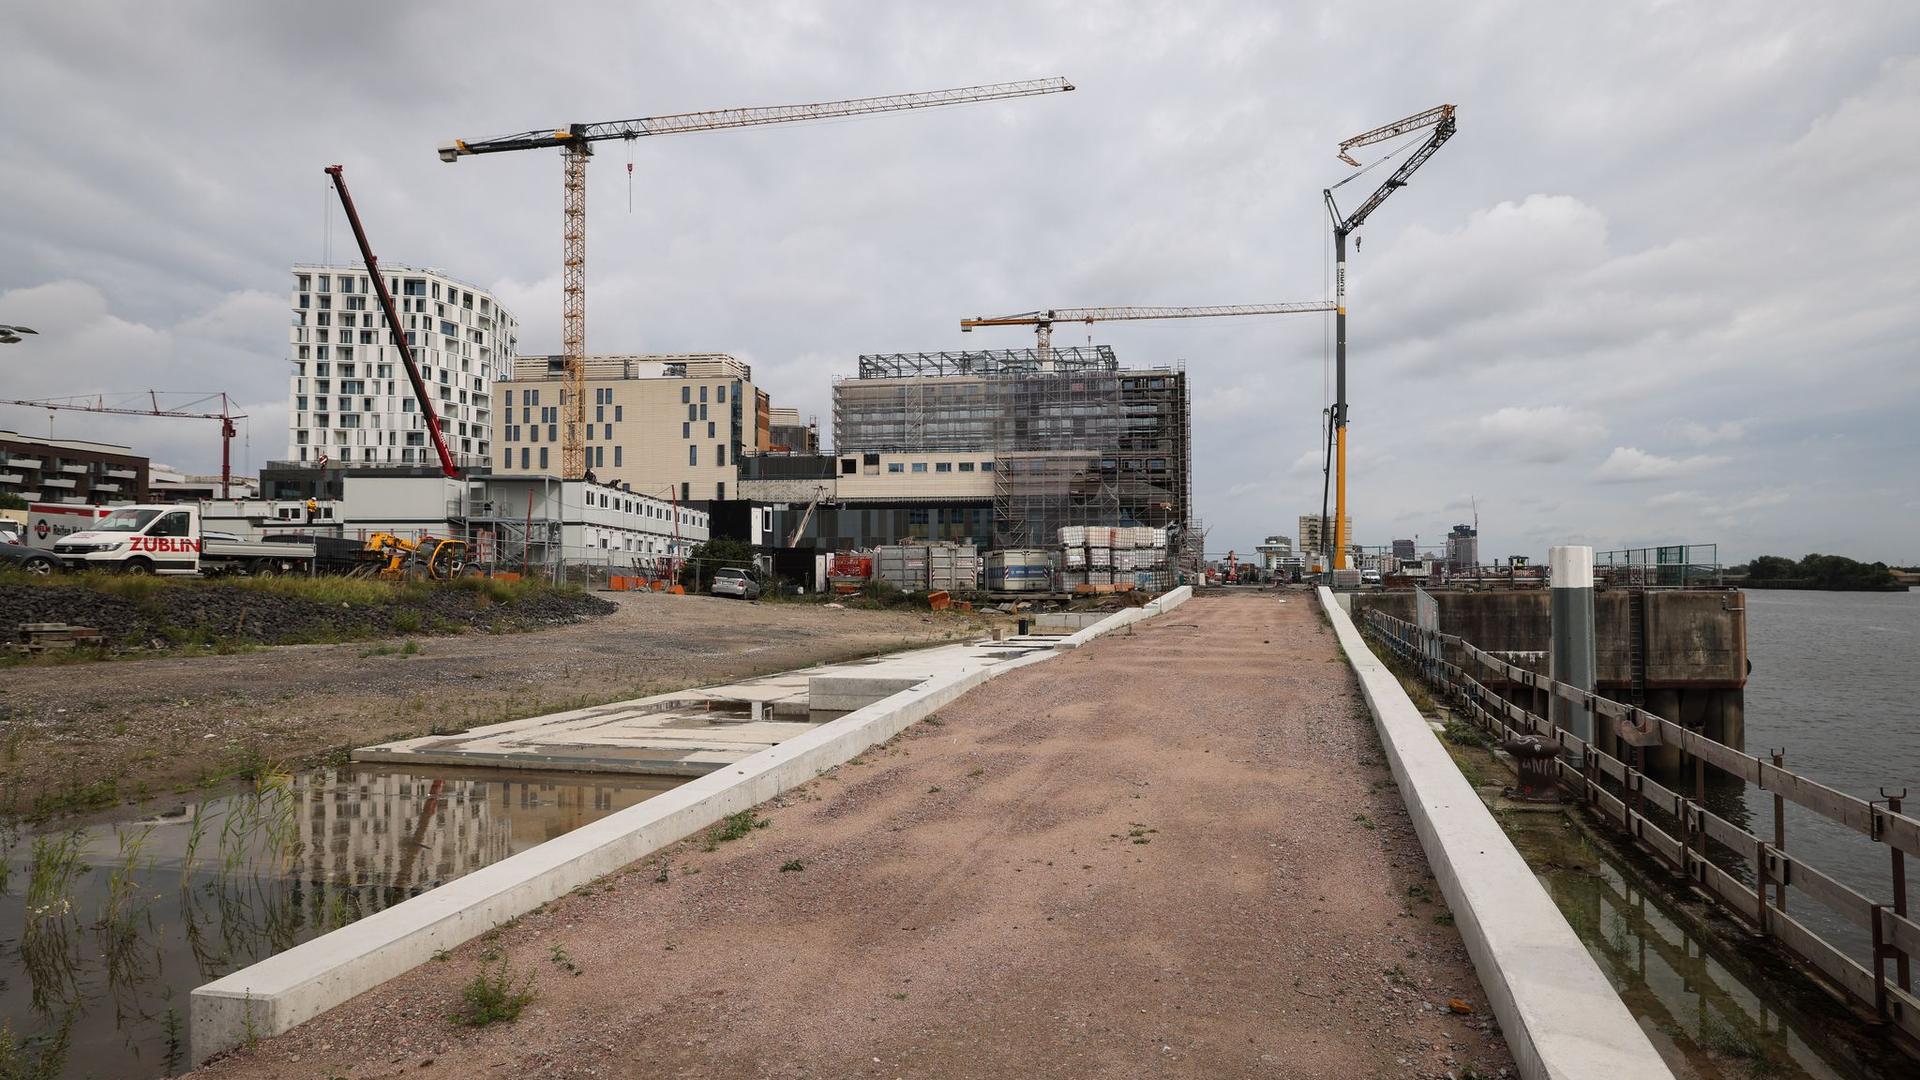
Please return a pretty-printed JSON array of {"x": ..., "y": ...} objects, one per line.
[
  {"x": 733, "y": 581},
  {"x": 31, "y": 560}
]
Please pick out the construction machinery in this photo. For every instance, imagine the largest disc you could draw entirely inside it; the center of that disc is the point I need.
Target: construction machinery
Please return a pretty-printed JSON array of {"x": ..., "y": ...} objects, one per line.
[
  {"x": 430, "y": 558},
  {"x": 394, "y": 326},
  {"x": 1441, "y": 119},
  {"x": 97, "y": 403},
  {"x": 1042, "y": 321},
  {"x": 575, "y": 142}
]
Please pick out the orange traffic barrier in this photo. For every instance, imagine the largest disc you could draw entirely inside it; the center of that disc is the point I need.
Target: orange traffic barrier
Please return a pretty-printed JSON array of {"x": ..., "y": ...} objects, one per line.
[
  {"x": 659, "y": 586},
  {"x": 677, "y": 590}
]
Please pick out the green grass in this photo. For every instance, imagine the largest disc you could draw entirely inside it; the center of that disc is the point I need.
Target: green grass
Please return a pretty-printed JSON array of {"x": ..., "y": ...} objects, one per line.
[{"x": 733, "y": 828}]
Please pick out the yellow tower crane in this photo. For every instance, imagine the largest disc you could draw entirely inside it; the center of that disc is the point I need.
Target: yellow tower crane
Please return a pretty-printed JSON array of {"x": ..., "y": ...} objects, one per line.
[
  {"x": 576, "y": 141},
  {"x": 1042, "y": 321}
]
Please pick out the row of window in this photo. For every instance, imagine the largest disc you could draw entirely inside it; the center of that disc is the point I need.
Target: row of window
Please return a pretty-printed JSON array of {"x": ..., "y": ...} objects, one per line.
[
  {"x": 938, "y": 466},
  {"x": 323, "y": 283}
]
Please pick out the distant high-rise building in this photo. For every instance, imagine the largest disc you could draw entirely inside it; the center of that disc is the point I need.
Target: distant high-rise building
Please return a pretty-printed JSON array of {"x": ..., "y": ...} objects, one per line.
[
  {"x": 1403, "y": 549},
  {"x": 350, "y": 402},
  {"x": 789, "y": 434},
  {"x": 1463, "y": 548},
  {"x": 1276, "y": 552},
  {"x": 1311, "y": 540}
]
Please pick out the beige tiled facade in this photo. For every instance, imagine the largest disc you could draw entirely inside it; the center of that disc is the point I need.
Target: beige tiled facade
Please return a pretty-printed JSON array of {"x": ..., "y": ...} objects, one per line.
[{"x": 671, "y": 426}]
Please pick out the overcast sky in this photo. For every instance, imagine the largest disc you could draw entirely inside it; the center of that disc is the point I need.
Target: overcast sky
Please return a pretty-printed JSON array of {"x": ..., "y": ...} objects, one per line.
[{"x": 1659, "y": 288}]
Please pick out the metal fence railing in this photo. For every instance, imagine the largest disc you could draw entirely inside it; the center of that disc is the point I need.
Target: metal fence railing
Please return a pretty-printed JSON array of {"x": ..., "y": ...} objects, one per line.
[
  {"x": 1679, "y": 830},
  {"x": 1671, "y": 566}
]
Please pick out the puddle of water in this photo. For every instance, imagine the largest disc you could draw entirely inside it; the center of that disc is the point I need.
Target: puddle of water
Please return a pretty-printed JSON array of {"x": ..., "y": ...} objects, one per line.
[
  {"x": 1709, "y": 1013},
  {"x": 108, "y": 929}
]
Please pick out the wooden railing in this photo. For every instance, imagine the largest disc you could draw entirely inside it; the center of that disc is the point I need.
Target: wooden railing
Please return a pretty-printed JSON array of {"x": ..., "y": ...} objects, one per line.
[{"x": 1687, "y": 836}]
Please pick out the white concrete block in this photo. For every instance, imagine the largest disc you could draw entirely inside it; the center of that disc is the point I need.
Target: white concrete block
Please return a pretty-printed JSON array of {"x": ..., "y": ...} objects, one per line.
[{"x": 1559, "y": 1014}]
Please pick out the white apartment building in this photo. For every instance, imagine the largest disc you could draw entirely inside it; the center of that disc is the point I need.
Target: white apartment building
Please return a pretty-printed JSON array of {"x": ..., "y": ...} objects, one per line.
[
  {"x": 349, "y": 401},
  {"x": 672, "y": 426}
]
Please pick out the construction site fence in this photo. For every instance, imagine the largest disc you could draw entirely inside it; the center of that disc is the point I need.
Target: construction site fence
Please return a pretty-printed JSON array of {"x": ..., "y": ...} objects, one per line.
[
  {"x": 1671, "y": 566},
  {"x": 1716, "y": 855}
]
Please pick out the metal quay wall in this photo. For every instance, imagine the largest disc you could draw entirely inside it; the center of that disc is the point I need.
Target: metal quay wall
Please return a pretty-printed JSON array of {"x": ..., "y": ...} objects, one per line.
[{"x": 1682, "y": 833}]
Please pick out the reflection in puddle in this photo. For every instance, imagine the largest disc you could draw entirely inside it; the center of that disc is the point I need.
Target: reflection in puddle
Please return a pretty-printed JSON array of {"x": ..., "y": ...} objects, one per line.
[
  {"x": 1706, "y": 1020},
  {"x": 108, "y": 929}
]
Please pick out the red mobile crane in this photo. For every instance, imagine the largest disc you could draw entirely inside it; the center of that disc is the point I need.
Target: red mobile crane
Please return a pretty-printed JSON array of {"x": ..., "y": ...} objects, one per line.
[{"x": 447, "y": 466}]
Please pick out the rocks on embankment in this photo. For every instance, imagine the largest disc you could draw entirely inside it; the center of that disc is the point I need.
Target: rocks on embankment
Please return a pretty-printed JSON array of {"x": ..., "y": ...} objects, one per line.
[{"x": 158, "y": 614}]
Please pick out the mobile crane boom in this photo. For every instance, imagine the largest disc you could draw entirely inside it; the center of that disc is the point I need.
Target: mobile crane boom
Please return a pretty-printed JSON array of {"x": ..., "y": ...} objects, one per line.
[{"x": 1441, "y": 119}]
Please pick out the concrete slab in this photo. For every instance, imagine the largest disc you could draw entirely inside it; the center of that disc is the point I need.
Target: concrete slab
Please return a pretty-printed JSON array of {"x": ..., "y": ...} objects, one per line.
[{"x": 275, "y": 994}]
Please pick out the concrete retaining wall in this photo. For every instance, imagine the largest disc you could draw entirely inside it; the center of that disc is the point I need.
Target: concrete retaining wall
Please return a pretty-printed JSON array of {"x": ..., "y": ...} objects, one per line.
[
  {"x": 1167, "y": 601},
  {"x": 1560, "y": 1015},
  {"x": 281, "y": 991}
]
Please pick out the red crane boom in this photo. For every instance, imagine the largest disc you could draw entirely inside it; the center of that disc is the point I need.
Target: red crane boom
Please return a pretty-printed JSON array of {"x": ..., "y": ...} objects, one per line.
[{"x": 447, "y": 466}]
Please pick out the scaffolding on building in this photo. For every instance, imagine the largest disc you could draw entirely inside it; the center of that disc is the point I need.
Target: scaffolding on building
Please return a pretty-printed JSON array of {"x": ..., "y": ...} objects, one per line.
[{"x": 1076, "y": 440}]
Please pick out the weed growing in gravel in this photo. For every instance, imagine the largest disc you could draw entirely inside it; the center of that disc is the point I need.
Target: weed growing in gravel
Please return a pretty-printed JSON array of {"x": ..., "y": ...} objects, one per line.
[
  {"x": 564, "y": 962},
  {"x": 1461, "y": 733},
  {"x": 1445, "y": 918},
  {"x": 792, "y": 865},
  {"x": 733, "y": 828},
  {"x": 494, "y": 996},
  {"x": 976, "y": 771},
  {"x": 1365, "y": 821}
]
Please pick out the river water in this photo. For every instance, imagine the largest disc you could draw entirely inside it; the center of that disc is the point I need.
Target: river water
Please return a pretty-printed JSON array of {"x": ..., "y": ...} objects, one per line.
[
  {"x": 1836, "y": 684},
  {"x": 106, "y": 930}
]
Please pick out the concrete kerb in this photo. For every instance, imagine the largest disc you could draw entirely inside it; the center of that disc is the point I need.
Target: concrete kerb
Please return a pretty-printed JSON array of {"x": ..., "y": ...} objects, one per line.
[
  {"x": 1559, "y": 1014},
  {"x": 1165, "y": 602},
  {"x": 288, "y": 988}
]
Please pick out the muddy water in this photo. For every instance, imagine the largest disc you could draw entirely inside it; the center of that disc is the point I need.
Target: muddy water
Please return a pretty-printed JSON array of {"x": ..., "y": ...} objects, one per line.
[
  {"x": 1708, "y": 1009},
  {"x": 107, "y": 930}
]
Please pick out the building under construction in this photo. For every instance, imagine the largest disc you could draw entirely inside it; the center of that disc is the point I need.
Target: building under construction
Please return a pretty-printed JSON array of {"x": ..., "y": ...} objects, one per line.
[{"x": 1074, "y": 438}]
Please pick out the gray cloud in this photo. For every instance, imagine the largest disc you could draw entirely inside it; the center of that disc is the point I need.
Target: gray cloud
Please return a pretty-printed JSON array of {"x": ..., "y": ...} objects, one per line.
[{"x": 1688, "y": 227}]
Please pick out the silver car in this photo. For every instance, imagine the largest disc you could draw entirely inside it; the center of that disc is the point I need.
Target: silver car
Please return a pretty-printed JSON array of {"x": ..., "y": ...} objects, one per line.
[{"x": 733, "y": 581}]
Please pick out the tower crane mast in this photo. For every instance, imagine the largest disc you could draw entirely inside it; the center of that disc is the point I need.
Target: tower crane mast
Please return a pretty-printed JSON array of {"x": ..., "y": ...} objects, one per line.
[
  {"x": 576, "y": 143},
  {"x": 1440, "y": 118}
]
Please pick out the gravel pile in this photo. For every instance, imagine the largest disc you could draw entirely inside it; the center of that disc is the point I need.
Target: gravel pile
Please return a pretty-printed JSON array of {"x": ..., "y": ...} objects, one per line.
[{"x": 219, "y": 612}]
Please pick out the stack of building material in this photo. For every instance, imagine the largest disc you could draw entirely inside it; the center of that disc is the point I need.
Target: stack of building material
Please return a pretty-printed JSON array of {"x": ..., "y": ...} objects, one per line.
[{"x": 1107, "y": 558}]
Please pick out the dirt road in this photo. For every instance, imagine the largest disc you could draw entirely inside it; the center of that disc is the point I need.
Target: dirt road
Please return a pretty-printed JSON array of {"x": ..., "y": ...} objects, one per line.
[
  {"x": 99, "y": 733},
  {"x": 1176, "y": 852}
]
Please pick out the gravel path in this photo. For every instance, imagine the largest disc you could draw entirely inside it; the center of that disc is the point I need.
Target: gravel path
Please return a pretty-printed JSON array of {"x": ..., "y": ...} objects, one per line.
[
  {"x": 150, "y": 726},
  {"x": 1176, "y": 852}
]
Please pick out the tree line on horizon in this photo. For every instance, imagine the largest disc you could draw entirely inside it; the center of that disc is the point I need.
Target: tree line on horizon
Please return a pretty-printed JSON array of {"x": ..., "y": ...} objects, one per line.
[{"x": 1816, "y": 572}]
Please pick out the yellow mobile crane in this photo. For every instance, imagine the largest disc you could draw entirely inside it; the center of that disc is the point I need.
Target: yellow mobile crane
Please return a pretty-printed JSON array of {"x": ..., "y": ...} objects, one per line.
[
  {"x": 576, "y": 143},
  {"x": 1440, "y": 119}
]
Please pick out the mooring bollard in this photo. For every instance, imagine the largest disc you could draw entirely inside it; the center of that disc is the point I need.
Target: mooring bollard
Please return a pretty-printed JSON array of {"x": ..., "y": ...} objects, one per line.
[{"x": 1572, "y": 655}]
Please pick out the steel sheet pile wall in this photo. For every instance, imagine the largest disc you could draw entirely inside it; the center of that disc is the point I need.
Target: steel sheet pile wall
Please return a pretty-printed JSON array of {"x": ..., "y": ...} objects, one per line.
[{"x": 1719, "y": 856}]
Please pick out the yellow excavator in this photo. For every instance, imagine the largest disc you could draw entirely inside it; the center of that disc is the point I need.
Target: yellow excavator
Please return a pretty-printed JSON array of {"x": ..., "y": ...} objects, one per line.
[{"x": 430, "y": 558}]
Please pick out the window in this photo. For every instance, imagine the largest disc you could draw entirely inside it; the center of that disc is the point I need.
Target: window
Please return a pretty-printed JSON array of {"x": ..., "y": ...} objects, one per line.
[
  {"x": 966, "y": 466},
  {"x": 553, "y": 432},
  {"x": 703, "y": 395},
  {"x": 896, "y": 466},
  {"x": 619, "y": 413},
  {"x": 986, "y": 466},
  {"x": 720, "y": 394},
  {"x": 523, "y": 458},
  {"x": 174, "y": 524},
  {"x": 709, "y": 429},
  {"x": 848, "y": 466},
  {"x": 693, "y": 412},
  {"x": 600, "y": 462},
  {"x": 720, "y": 455},
  {"x": 509, "y": 402},
  {"x": 543, "y": 457},
  {"x": 703, "y": 412},
  {"x": 686, "y": 431},
  {"x": 943, "y": 466},
  {"x": 616, "y": 457},
  {"x": 693, "y": 453},
  {"x": 533, "y": 433},
  {"x": 919, "y": 466},
  {"x": 686, "y": 394}
]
